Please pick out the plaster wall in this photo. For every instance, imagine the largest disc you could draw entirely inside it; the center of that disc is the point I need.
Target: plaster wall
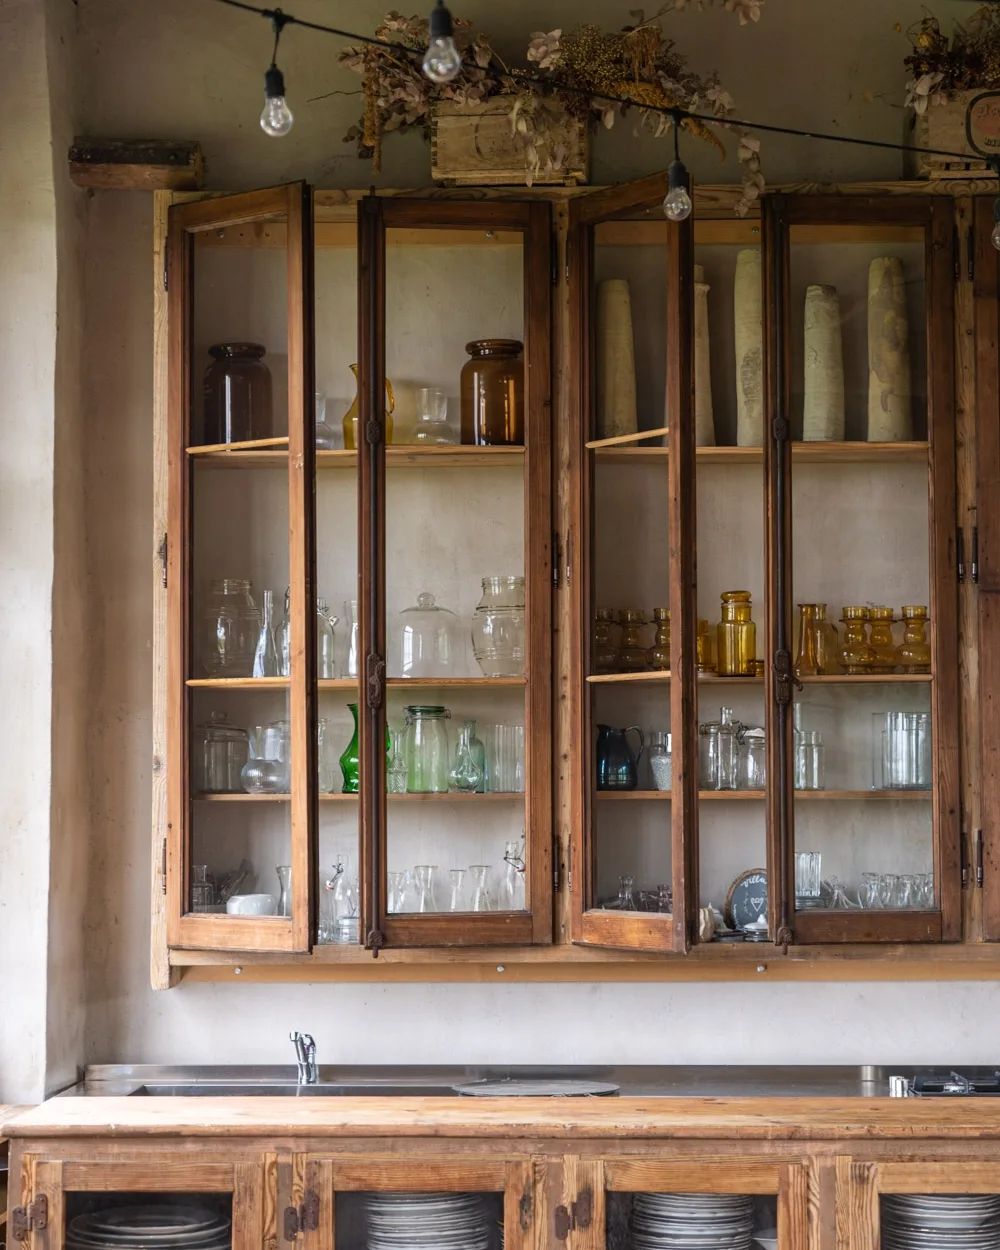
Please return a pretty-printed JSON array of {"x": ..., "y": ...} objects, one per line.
[{"x": 189, "y": 68}]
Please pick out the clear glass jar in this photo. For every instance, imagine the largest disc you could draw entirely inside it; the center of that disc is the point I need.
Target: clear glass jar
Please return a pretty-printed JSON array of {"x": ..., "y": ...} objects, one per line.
[
  {"x": 231, "y": 627},
  {"x": 736, "y": 636},
  {"x": 810, "y": 760},
  {"x": 237, "y": 394},
  {"x": 753, "y": 760},
  {"x": 221, "y": 751},
  {"x": 498, "y": 627},
  {"x": 427, "y": 756},
  {"x": 659, "y": 753},
  {"x": 204, "y": 896},
  {"x": 492, "y": 391},
  {"x": 718, "y": 753},
  {"x": 429, "y": 640}
]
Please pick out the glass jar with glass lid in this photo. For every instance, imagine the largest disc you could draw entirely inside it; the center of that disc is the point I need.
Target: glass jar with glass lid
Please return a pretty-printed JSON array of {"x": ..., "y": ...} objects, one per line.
[
  {"x": 430, "y": 644},
  {"x": 498, "y": 627}
]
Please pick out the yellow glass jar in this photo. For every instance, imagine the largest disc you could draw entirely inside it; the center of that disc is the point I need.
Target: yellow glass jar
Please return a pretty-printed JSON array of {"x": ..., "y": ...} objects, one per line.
[
  {"x": 603, "y": 651},
  {"x": 856, "y": 655},
  {"x": 633, "y": 656},
  {"x": 350, "y": 422},
  {"x": 736, "y": 636},
  {"x": 885, "y": 653},
  {"x": 914, "y": 652},
  {"x": 705, "y": 647},
  {"x": 659, "y": 657}
]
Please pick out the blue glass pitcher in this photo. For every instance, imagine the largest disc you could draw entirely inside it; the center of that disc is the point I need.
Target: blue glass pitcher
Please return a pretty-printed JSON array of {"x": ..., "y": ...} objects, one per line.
[{"x": 617, "y": 764}]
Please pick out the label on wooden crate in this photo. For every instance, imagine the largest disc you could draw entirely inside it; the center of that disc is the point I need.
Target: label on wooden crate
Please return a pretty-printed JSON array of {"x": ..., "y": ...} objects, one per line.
[{"x": 982, "y": 124}]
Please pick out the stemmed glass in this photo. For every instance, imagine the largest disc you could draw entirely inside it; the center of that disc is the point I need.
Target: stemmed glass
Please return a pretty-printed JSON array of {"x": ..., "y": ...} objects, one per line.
[
  {"x": 482, "y": 900},
  {"x": 424, "y": 888},
  {"x": 456, "y": 877}
]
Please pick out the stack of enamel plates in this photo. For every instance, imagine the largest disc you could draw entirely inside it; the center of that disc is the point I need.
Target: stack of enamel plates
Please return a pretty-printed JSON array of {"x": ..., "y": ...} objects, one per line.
[
  {"x": 941, "y": 1222},
  {"x": 692, "y": 1222},
  {"x": 152, "y": 1226},
  {"x": 434, "y": 1221}
]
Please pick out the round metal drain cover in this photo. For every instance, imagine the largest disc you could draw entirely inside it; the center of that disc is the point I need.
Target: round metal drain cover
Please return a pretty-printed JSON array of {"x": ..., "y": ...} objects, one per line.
[{"x": 540, "y": 1088}]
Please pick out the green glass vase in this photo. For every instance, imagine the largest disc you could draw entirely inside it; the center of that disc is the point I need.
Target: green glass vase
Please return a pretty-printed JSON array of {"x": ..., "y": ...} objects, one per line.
[{"x": 350, "y": 763}]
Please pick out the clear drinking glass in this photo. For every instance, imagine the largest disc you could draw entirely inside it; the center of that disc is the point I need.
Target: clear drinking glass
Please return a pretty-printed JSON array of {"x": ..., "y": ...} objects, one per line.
[
  {"x": 808, "y": 875},
  {"x": 432, "y": 417},
  {"x": 626, "y": 894},
  {"x": 397, "y": 884},
  {"x": 498, "y": 627},
  {"x": 482, "y": 900},
  {"x": 265, "y": 656},
  {"x": 893, "y": 754},
  {"x": 456, "y": 889},
  {"x": 869, "y": 892},
  {"x": 231, "y": 627},
  {"x": 810, "y": 760},
  {"x": 504, "y": 753},
  {"x": 284, "y": 872},
  {"x": 753, "y": 760},
  {"x": 326, "y": 759}
]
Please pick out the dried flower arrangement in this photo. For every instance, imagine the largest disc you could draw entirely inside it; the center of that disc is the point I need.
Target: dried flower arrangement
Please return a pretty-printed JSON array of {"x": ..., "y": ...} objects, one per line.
[
  {"x": 939, "y": 67},
  {"x": 570, "y": 75}
]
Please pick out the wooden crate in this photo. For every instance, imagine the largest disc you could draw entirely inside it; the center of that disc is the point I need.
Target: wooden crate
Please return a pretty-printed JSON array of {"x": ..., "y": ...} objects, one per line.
[
  {"x": 472, "y": 145},
  {"x": 941, "y": 126}
]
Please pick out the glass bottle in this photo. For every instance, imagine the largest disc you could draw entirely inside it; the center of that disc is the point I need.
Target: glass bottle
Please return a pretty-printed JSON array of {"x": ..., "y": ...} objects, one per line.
[
  {"x": 482, "y": 900},
  {"x": 351, "y": 616},
  {"x": 603, "y": 651},
  {"x": 718, "y": 752},
  {"x": 456, "y": 889},
  {"x": 284, "y": 638},
  {"x": 203, "y": 889},
  {"x": 427, "y": 758},
  {"x": 705, "y": 647},
  {"x": 511, "y": 892},
  {"x": 265, "y": 657},
  {"x": 736, "y": 636},
  {"x": 855, "y": 654},
  {"x": 659, "y": 753},
  {"x": 498, "y": 627},
  {"x": 633, "y": 657},
  {"x": 350, "y": 763},
  {"x": 237, "y": 394},
  {"x": 231, "y": 623},
  {"x": 326, "y": 768},
  {"x": 468, "y": 770},
  {"x": 326, "y": 435},
  {"x": 429, "y": 640},
  {"x": 350, "y": 421},
  {"x": 396, "y": 767},
  {"x": 326, "y": 665},
  {"x": 284, "y": 872},
  {"x": 914, "y": 651},
  {"x": 659, "y": 656},
  {"x": 492, "y": 393},
  {"x": 884, "y": 650}
]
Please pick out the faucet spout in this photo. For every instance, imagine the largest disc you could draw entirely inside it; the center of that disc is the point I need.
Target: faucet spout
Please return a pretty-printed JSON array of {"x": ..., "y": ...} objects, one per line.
[{"x": 305, "y": 1058}]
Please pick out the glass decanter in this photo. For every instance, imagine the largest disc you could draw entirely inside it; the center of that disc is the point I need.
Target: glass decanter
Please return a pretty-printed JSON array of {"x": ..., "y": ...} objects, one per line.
[
  {"x": 914, "y": 651},
  {"x": 395, "y": 779},
  {"x": 265, "y": 656},
  {"x": 881, "y": 641},
  {"x": 659, "y": 656},
  {"x": 603, "y": 651},
  {"x": 855, "y": 654},
  {"x": 498, "y": 627},
  {"x": 468, "y": 770},
  {"x": 482, "y": 900},
  {"x": 633, "y": 657},
  {"x": 326, "y": 665},
  {"x": 424, "y": 888},
  {"x": 350, "y": 760}
]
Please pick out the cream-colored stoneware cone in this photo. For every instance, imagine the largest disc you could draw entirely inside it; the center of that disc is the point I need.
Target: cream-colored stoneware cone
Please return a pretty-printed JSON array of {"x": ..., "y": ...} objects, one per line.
[
  {"x": 616, "y": 406},
  {"x": 823, "y": 400},
  {"x": 747, "y": 308},
  {"x": 890, "y": 405},
  {"x": 704, "y": 421}
]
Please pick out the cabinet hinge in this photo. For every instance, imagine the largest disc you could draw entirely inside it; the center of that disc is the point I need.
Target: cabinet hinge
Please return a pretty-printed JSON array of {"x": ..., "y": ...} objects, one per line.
[
  {"x": 557, "y": 877},
  {"x": 304, "y": 1218},
  {"x": 163, "y": 868},
  {"x": 960, "y": 553},
  {"x": 556, "y": 560},
  {"x": 162, "y": 551},
  {"x": 979, "y": 859},
  {"x": 33, "y": 1218},
  {"x": 525, "y": 1207},
  {"x": 166, "y": 274},
  {"x": 374, "y": 681},
  {"x": 579, "y": 1215},
  {"x": 782, "y": 677}
]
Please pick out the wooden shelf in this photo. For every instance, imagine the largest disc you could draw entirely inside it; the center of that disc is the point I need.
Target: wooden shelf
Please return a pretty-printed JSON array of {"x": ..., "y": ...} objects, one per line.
[
  {"x": 743, "y": 796},
  {"x": 804, "y": 453},
  {"x": 241, "y": 798},
  {"x": 713, "y": 679},
  {"x": 239, "y": 683},
  {"x": 863, "y": 796},
  {"x": 455, "y": 683},
  {"x": 338, "y": 797},
  {"x": 865, "y": 679},
  {"x": 269, "y": 455}
]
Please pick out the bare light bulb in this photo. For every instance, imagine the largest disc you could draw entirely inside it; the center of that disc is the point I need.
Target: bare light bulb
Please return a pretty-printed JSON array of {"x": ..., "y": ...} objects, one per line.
[
  {"x": 677, "y": 204},
  {"x": 443, "y": 61},
  {"x": 276, "y": 117}
]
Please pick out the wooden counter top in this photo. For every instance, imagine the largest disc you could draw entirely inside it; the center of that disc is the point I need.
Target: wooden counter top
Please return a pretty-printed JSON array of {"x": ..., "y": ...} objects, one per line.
[{"x": 776, "y": 1119}]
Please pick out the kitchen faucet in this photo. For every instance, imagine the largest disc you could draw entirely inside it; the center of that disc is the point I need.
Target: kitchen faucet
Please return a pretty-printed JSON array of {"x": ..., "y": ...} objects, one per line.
[{"x": 305, "y": 1056}]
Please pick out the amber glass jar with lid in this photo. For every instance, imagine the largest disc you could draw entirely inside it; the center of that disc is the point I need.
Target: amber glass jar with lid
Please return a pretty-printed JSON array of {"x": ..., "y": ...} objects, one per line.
[
  {"x": 736, "y": 636},
  {"x": 492, "y": 388},
  {"x": 237, "y": 394},
  {"x": 884, "y": 651}
]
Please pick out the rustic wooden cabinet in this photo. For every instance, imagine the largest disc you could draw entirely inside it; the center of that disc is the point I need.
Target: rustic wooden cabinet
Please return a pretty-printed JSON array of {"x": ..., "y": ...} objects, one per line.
[{"x": 665, "y": 518}]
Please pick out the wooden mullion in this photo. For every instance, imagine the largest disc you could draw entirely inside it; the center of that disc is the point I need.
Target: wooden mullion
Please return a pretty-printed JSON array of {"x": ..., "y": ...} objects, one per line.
[{"x": 371, "y": 568}]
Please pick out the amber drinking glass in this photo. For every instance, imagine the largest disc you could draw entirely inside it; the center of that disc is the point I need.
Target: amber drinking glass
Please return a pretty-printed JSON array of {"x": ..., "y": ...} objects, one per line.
[
  {"x": 492, "y": 389},
  {"x": 604, "y": 652},
  {"x": 633, "y": 656},
  {"x": 660, "y": 655}
]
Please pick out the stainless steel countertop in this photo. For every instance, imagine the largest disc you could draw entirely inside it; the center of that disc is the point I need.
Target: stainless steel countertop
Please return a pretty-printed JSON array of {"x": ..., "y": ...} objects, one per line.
[{"x": 722, "y": 1081}]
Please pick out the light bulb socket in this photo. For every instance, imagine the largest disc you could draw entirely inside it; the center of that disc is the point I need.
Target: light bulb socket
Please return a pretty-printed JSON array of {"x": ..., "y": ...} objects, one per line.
[
  {"x": 441, "y": 25},
  {"x": 678, "y": 178},
  {"x": 274, "y": 83}
]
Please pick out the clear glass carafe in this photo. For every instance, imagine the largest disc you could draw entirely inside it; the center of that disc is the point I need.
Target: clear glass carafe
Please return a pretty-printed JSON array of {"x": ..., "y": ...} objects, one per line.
[
  {"x": 432, "y": 428},
  {"x": 425, "y": 889},
  {"x": 231, "y": 627},
  {"x": 340, "y": 906},
  {"x": 266, "y": 771},
  {"x": 284, "y": 637},
  {"x": 429, "y": 640},
  {"x": 427, "y": 755},
  {"x": 659, "y": 754},
  {"x": 456, "y": 889},
  {"x": 221, "y": 751},
  {"x": 265, "y": 656},
  {"x": 284, "y": 872},
  {"x": 326, "y": 760},
  {"x": 468, "y": 770},
  {"x": 511, "y": 891},
  {"x": 736, "y": 636},
  {"x": 326, "y": 664},
  {"x": 498, "y": 627},
  {"x": 482, "y": 899}
]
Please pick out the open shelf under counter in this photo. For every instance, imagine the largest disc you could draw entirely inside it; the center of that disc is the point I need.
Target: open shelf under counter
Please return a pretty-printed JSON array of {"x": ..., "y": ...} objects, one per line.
[
  {"x": 802, "y": 453},
  {"x": 273, "y": 454}
]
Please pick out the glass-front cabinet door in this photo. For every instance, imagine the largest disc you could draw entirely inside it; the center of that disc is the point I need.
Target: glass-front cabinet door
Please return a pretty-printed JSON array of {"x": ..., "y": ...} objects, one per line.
[
  {"x": 863, "y": 579},
  {"x": 454, "y": 434},
  {"x": 340, "y": 1204},
  {"x": 204, "y": 1200},
  {"x": 629, "y": 569},
  {"x": 240, "y": 572}
]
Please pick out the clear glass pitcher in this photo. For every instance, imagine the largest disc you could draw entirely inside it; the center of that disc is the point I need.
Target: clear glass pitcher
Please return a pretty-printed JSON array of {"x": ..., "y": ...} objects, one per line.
[{"x": 266, "y": 771}]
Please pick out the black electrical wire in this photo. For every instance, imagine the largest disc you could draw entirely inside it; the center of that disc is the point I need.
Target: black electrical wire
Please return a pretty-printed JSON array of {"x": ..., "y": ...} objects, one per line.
[{"x": 553, "y": 84}]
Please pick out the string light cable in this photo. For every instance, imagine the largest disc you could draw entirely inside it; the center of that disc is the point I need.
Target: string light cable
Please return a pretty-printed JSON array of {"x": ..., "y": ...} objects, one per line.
[{"x": 442, "y": 62}]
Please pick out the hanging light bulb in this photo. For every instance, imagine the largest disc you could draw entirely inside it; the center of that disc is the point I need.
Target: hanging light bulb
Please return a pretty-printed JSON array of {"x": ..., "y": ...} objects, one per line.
[
  {"x": 276, "y": 117},
  {"x": 677, "y": 203},
  {"x": 442, "y": 61}
]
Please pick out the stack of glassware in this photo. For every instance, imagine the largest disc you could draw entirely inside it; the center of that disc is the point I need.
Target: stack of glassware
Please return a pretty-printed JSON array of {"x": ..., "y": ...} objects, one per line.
[
  {"x": 901, "y": 751},
  {"x": 424, "y": 888}
]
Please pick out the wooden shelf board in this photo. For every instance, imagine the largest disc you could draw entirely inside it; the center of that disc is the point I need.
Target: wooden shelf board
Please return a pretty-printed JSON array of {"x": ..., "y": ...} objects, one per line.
[
  {"x": 240, "y": 798},
  {"x": 454, "y": 683},
  {"x": 864, "y": 679},
  {"x": 242, "y": 456},
  {"x": 807, "y": 453},
  {"x": 743, "y": 796},
  {"x": 239, "y": 683},
  {"x": 863, "y": 796},
  {"x": 743, "y": 233},
  {"x": 450, "y": 797},
  {"x": 250, "y": 447},
  {"x": 713, "y": 679}
]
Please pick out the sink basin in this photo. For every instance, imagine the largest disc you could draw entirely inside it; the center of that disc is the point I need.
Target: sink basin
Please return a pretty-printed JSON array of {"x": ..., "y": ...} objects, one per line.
[{"x": 252, "y": 1089}]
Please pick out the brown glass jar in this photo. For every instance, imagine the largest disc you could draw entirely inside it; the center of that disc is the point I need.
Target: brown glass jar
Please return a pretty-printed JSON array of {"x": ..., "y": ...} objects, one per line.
[
  {"x": 237, "y": 394},
  {"x": 493, "y": 393}
]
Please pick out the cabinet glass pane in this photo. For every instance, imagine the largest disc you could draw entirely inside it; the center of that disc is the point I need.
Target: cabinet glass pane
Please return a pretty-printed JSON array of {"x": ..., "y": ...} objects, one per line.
[
  {"x": 629, "y": 627},
  {"x": 379, "y": 1221},
  {"x": 240, "y": 759},
  {"x": 126, "y": 1218},
  {"x": 724, "y": 1221},
  {"x": 455, "y": 539},
  {"x": 732, "y": 844},
  {"x": 337, "y": 575},
  {"x": 863, "y": 725}
]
